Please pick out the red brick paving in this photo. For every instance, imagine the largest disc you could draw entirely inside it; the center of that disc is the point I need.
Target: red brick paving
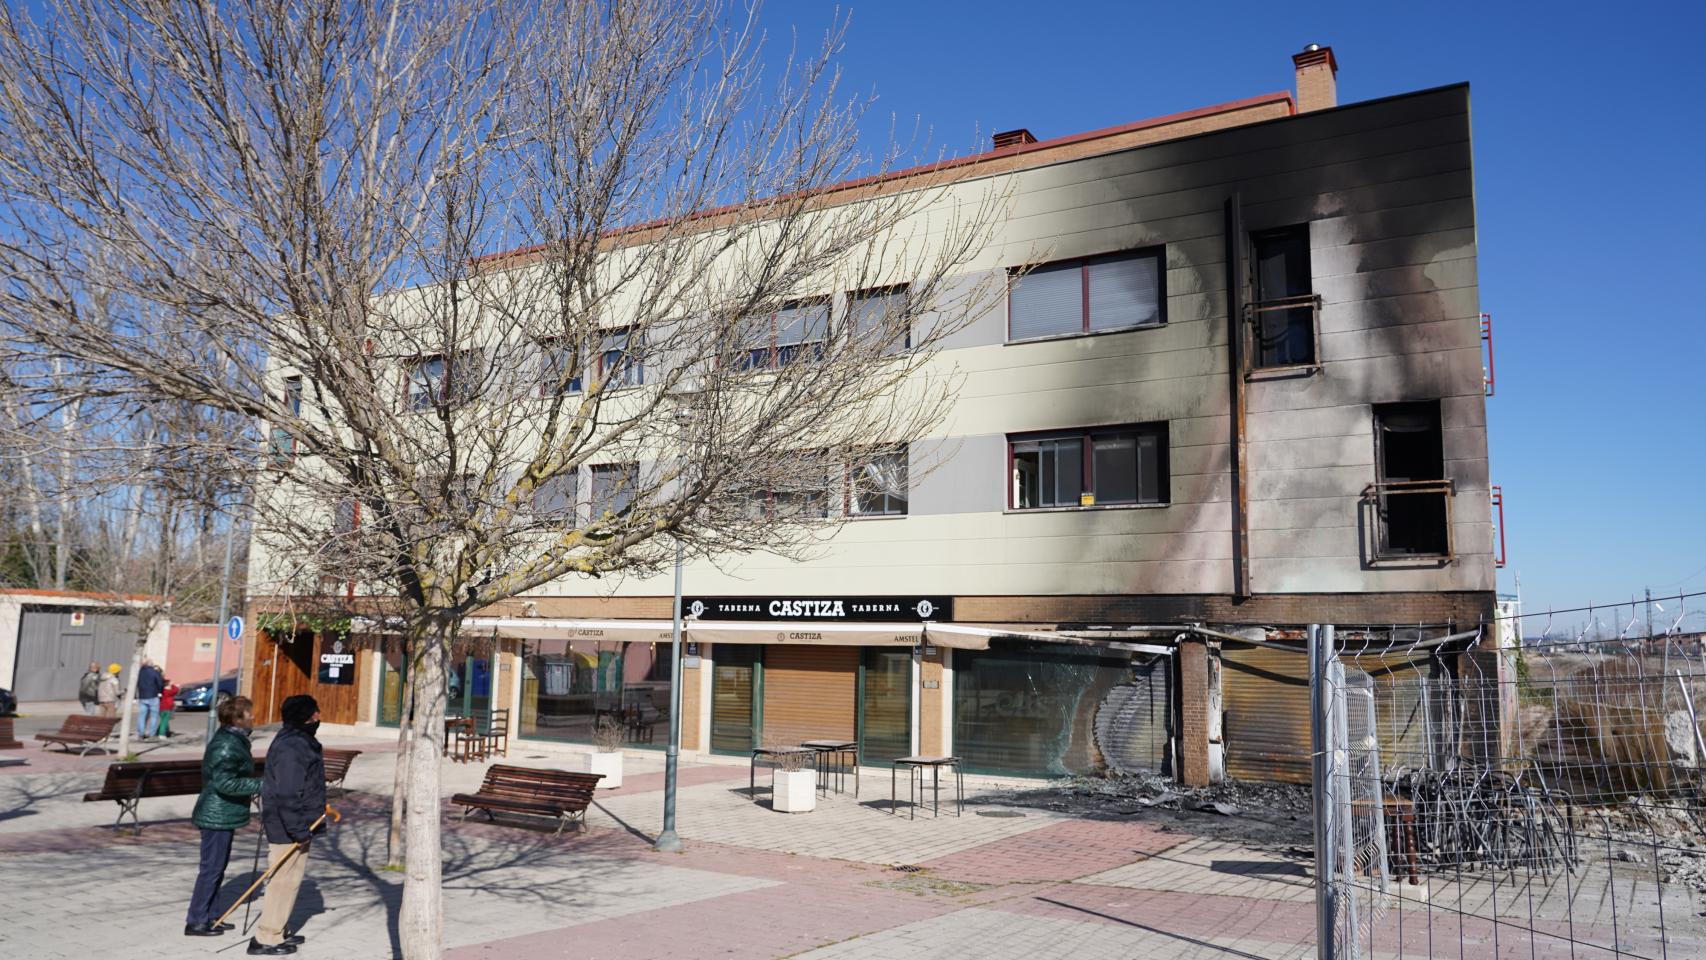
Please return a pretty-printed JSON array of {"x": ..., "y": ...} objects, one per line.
[
  {"x": 1059, "y": 851},
  {"x": 771, "y": 922}
]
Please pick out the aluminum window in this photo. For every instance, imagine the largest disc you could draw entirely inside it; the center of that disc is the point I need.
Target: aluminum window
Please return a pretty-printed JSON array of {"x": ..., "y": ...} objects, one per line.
[
  {"x": 1282, "y": 319},
  {"x": 613, "y": 488},
  {"x": 558, "y": 496},
  {"x": 881, "y": 315},
  {"x": 1086, "y": 468},
  {"x": 281, "y": 446},
  {"x": 796, "y": 333},
  {"x": 441, "y": 380},
  {"x": 1122, "y": 291},
  {"x": 877, "y": 485}
]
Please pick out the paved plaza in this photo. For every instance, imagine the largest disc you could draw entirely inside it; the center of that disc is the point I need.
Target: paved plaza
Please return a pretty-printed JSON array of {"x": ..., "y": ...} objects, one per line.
[{"x": 849, "y": 880}]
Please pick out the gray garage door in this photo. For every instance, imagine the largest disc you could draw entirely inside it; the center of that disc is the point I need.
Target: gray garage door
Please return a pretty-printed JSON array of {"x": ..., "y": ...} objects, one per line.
[{"x": 53, "y": 653}]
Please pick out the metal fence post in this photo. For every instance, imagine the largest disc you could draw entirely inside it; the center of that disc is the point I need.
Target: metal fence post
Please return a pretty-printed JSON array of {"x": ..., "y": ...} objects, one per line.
[{"x": 1320, "y": 643}]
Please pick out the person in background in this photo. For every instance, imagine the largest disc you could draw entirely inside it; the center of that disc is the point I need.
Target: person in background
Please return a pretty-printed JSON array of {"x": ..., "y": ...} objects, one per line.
[
  {"x": 228, "y": 782},
  {"x": 293, "y": 801},
  {"x": 149, "y": 683},
  {"x": 107, "y": 693},
  {"x": 89, "y": 689},
  {"x": 168, "y": 700}
]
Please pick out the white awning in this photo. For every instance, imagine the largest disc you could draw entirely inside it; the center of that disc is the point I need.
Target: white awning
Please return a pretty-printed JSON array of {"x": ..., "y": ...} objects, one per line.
[
  {"x": 958, "y": 636},
  {"x": 542, "y": 628},
  {"x": 805, "y": 632}
]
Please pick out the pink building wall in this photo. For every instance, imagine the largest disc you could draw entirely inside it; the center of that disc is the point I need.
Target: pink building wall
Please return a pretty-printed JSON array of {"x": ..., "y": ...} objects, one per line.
[{"x": 189, "y": 654}]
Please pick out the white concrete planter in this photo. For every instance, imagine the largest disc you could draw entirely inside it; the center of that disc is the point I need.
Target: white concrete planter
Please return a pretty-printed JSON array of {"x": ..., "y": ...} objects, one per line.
[
  {"x": 609, "y": 764},
  {"x": 793, "y": 791}
]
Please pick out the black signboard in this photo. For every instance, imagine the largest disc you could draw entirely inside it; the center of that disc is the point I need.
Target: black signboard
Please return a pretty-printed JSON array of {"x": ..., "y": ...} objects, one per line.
[
  {"x": 337, "y": 661},
  {"x": 831, "y": 609}
]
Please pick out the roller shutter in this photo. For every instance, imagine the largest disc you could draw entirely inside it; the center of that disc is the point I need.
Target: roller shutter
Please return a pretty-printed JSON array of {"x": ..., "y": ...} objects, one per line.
[
  {"x": 1134, "y": 723},
  {"x": 1265, "y": 694},
  {"x": 1265, "y": 698},
  {"x": 809, "y": 693}
]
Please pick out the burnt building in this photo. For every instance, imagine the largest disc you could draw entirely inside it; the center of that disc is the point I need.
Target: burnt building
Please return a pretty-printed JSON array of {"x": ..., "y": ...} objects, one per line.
[{"x": 1243, "y": 393}]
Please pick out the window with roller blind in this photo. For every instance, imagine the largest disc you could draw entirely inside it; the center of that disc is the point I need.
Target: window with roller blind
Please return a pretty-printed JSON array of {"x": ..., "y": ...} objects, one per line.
[{"x": 1121, "y": 291}]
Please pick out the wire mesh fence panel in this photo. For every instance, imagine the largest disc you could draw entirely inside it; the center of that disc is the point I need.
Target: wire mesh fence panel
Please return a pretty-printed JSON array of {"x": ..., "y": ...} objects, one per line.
[{"x": 1532, "y": 803}]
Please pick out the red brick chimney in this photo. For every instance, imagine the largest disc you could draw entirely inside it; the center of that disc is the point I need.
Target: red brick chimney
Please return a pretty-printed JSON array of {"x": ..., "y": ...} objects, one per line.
[
  {"x": 1012, "y": 138},
  {"x": 1317, "y": 86}
]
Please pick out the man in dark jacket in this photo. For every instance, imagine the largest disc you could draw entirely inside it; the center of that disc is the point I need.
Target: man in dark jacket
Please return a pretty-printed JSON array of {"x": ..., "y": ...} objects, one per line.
[
  {"x": 149, "y": 682},
  {"x": 228, "y": 782},
  {"x": 293, "y": 798}
]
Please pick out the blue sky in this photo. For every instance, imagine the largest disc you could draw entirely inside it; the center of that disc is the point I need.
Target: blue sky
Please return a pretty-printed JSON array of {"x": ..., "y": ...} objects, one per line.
[{"x": 1590, "y": 157}]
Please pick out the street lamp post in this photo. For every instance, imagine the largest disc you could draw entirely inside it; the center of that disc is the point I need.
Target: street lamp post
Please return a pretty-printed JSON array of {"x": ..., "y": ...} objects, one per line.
[
  {"x": 219, "y": 638},
  {"x": 667, "y": 841}
]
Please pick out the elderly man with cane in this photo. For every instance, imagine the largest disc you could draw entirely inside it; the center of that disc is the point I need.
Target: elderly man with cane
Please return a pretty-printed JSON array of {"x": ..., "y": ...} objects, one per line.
[{"x": 293, "y": 809}]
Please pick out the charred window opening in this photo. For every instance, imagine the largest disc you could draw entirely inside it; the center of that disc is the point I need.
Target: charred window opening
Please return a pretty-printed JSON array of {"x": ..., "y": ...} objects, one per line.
[
  {"x": 1282, "y": 318},
  {"x": 1411, "y": 489}
]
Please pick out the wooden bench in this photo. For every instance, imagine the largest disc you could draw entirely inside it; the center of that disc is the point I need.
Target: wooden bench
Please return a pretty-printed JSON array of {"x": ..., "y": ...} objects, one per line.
[
  {"x": 558, "y": 794},
  {"x": 337, "y": 765},
  {"x": 80, "y": 731},
  {"x": 127, "y": 784}
]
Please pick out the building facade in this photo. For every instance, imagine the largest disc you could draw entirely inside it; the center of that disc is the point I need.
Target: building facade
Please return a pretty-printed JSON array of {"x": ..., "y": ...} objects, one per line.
[{"x": 1242, "y": 393}]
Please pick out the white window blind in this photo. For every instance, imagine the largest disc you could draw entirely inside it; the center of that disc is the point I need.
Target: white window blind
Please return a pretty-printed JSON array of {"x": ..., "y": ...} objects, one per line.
[
  {"x": 1047, "y": 302},
  {"x": 1125, "y": 291}
]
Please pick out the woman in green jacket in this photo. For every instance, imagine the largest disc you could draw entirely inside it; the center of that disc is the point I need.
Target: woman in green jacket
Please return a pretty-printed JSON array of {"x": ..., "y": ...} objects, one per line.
[{"x": 228, "y": 782}]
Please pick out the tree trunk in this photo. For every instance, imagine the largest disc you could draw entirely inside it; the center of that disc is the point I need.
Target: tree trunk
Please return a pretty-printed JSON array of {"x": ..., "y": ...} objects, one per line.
[
  {"x": 420, "y": 928},
  {"x": 395, "y": 847},
  {"x": 127, "y": 716}
]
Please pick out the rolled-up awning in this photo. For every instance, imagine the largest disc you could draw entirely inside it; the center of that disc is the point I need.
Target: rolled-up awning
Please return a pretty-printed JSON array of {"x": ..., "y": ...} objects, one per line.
[
  {"x": 806, "y": 633},
  {"x": 958, "y": 636},
  {"x": 541, "y": 628}
]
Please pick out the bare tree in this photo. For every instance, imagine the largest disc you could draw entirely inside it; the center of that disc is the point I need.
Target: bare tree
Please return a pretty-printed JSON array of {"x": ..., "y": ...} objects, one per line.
[{"x": 293, "y": 212}]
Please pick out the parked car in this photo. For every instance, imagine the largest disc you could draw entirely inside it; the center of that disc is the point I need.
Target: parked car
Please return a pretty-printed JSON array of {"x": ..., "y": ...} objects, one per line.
[
  {"x": 200, "y": 696},
  {"x": 8, "y": 703}
]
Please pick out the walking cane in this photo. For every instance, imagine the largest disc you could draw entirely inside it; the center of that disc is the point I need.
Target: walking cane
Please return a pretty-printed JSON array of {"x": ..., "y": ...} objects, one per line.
[{"x": 293, "y": 851}]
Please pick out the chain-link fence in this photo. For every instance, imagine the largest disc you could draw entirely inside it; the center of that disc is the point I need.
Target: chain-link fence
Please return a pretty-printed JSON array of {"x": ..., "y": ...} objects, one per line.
[{"x": 1509, "y": 803}]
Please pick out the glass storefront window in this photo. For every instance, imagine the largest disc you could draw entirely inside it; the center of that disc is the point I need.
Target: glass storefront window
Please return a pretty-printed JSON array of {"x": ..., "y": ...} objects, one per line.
[
  {"x": 885, "y": 705},
  {"x": 736, "y": 685},
  {"x": 1030, "y": 709},
  {"x": 391, "y": 674},
  {"x": 569, "y": 686}
]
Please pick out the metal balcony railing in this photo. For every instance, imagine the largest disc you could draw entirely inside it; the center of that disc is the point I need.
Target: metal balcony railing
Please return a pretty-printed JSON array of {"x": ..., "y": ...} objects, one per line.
[
  {"x": 1282, "y": 334},
  {"x": 1402, "y": 507}
]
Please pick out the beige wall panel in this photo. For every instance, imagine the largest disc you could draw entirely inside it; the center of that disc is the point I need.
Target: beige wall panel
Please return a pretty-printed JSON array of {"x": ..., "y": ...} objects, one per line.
[
  {"x": 1425, "y": 376},
  {"x": 1459, "y": 334},
  {"x": 1344, "y": 451}
]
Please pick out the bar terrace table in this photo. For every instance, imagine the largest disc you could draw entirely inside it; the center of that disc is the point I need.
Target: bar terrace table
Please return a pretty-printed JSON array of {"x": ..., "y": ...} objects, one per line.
[
  {"x": 915, "y": 767},
  {"x": 846, "y": 754}
]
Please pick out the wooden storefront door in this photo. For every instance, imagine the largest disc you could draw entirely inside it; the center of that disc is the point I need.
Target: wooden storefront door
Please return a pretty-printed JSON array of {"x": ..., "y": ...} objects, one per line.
[{"x": 288, "y": 666}]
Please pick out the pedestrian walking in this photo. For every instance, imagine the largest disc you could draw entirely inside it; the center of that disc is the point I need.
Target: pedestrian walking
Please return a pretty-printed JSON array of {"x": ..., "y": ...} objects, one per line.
[
  {"x": 293, "y": 797},
  {"x": 228, "y": 783},
  {"x": 149, "y": 682},
  {"x": 106, "y": 695},
  {"x": 168, "y": 701},
  {"x": 89, "y": 689}
]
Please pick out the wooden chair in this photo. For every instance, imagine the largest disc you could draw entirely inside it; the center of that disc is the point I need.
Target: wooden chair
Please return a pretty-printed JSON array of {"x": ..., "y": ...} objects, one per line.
[{"x": 497, "y": 735}]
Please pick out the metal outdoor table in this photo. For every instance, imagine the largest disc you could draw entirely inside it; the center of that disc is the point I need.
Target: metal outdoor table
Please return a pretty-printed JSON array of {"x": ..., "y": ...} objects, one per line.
[
  {"x": 915, "y": 767},
  {"x": 846, "y": 754},
  {"x": 752, "y": 771}
]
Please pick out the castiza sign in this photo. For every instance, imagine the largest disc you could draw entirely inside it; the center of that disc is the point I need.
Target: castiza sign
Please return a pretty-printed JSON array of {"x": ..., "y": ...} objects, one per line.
[{"x": 834, "y": 609}]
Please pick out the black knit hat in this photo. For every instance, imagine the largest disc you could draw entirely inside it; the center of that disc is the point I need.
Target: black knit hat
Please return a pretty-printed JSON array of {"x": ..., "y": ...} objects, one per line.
[{"x": 298, "y": 710}]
